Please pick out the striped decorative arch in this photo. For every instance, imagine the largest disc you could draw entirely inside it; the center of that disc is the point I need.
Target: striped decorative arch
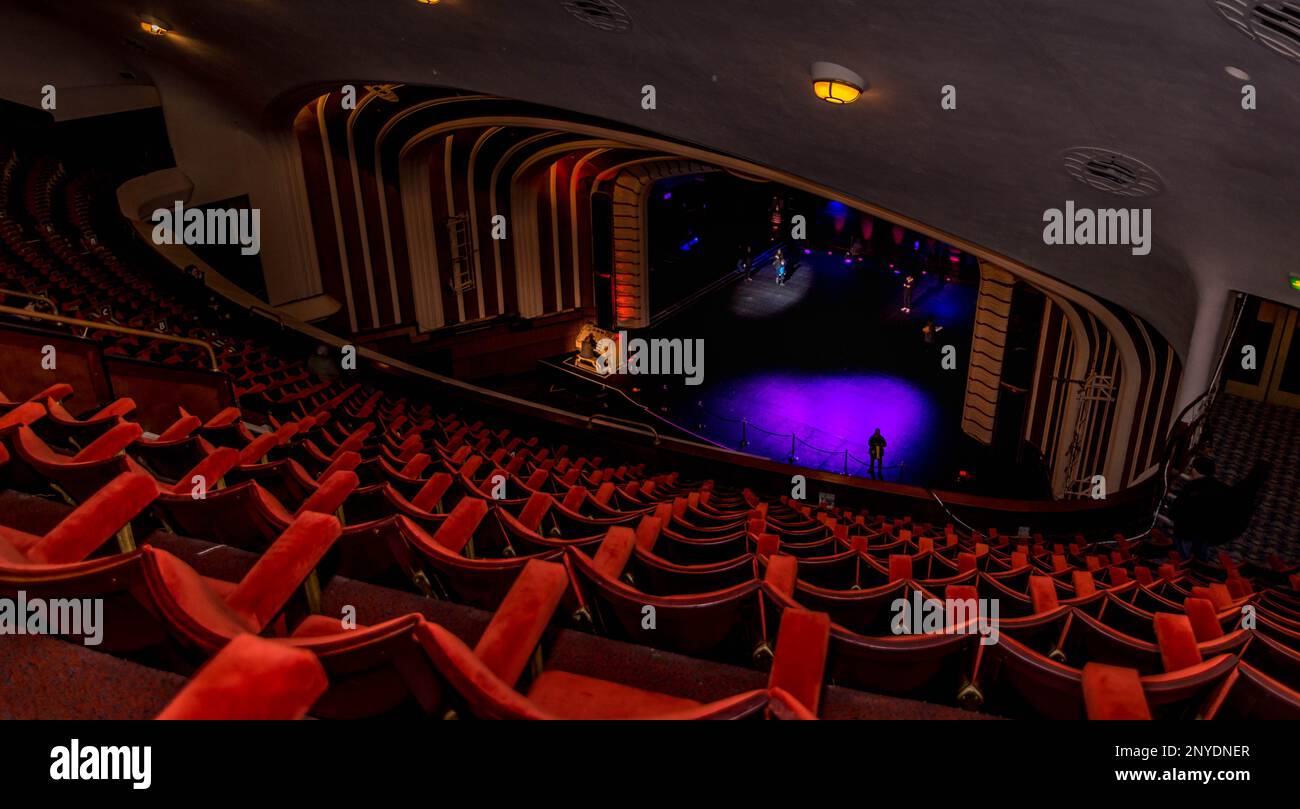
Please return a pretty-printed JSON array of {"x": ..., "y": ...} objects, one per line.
[{"x": 631, "y": 183}]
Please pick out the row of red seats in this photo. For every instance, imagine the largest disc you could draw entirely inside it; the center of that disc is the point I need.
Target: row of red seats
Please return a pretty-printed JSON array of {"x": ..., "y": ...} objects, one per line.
[{"x": 600, "y": 570}]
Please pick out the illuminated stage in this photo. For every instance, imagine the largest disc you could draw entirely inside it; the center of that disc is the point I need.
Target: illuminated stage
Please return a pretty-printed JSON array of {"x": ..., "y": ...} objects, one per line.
[
  {"x": 818, "y": 364},
  {"x": 828, "y": 415}
]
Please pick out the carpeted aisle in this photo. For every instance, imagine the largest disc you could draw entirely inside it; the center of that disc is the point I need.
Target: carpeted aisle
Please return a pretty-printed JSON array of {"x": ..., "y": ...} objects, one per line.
[{"x": 1244, "y": 431}]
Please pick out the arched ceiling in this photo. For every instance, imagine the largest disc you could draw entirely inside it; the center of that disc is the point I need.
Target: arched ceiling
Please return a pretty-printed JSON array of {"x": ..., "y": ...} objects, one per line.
[{"x": 1033, "y": 79}]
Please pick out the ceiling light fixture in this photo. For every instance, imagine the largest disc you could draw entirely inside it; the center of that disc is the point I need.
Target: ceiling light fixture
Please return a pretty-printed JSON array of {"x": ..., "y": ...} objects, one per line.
[
  {"x": 1237, "y": 73},
  {"x": 1295, "y": 282},
  {"x": 429, "y": 2},
  {"x": 836, "y": 84},
  {"x": 153, "y": 25}
]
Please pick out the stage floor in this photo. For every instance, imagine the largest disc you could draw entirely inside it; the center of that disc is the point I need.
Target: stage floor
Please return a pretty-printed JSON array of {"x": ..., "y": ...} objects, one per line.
[{"x": 826, "y": 358}]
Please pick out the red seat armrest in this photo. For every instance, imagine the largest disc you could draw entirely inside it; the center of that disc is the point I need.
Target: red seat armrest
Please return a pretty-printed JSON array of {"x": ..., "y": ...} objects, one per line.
[
  {"x": 800, "y": 661},
  {"x": 110, "y": 443},
  {"x": 517, "y": 627},
  {"x": 331, "y": 494},
  {"x": 95, "y": 520},
  {"x": 267, "y": 587},
  {"x": 212, "y": 469},
  {"x": 251, "y": 678}
]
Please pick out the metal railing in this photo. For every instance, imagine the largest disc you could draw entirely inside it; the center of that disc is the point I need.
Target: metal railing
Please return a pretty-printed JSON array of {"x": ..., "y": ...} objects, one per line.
[
  {"x": 615, "y": 421},
  {"x": 63, "y": 320},
  {"x": 271, "y": 313},
  {"x": 27, "y": 296}
]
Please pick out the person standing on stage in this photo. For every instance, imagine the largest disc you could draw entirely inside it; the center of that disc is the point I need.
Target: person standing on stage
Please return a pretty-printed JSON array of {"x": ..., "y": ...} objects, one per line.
[
  {"x": 780, "y": 268},
  {"x": 876, "y": 453},
  {"x": 907, "y": 294},
  {"x": 930, "y": 331}
]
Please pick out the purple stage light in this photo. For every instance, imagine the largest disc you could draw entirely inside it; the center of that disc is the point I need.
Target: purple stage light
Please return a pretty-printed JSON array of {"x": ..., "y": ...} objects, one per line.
[{"x": 834, "y": 412}]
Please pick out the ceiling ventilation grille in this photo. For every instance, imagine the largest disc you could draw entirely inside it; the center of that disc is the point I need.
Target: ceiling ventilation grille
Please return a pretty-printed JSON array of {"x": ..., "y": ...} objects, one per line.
[
  {"x": 1112, "y": 172},
  {"x": 603, "y": 14},
  {"x": 1273, "y": 23}
]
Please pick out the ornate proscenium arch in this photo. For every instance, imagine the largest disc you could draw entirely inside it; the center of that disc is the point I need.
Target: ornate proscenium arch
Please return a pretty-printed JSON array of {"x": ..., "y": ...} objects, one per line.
[{"x": 410, "y": 190}]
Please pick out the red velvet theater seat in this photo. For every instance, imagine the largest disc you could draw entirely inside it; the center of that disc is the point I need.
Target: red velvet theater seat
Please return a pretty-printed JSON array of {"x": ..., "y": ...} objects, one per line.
[
  {"x": 1248, "y": 693},
  {"x": 483, "y": 679},
  {"x": 251, "y": 678},
  {"x": 440, "y": 563},
  {"x": 1113, "y": 692},
  {"x": 84, "y": 529},
  {"x": 86, "y": 472},
  {"x": 65, "y": 427},
  {"x": 922, "y": 665},
  {"x": 717, "y": 622},
  {"x": 508, "y": 535},
  {"x": 1011, "y": 673},
  {"x": 653, "y": 574},
  {"x": 59, "y": 563},
  {"x": 1088, "y": 639},
  {"x": 243, "y": 515}
]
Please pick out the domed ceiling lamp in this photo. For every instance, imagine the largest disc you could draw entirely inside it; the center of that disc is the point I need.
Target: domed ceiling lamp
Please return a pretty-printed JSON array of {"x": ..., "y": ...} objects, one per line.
[{"x": 836, "y": 84}]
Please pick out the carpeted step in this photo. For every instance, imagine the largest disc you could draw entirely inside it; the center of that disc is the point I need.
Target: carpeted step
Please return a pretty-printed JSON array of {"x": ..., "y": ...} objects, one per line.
[{"x": 48, "y": 678}]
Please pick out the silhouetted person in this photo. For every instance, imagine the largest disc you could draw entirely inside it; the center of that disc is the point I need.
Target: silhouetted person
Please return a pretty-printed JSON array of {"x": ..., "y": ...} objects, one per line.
[
  {"x": 1209, "y": 512},
  {"x": 876, "y": 454},
  {"x": 588, "y": 348}
]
